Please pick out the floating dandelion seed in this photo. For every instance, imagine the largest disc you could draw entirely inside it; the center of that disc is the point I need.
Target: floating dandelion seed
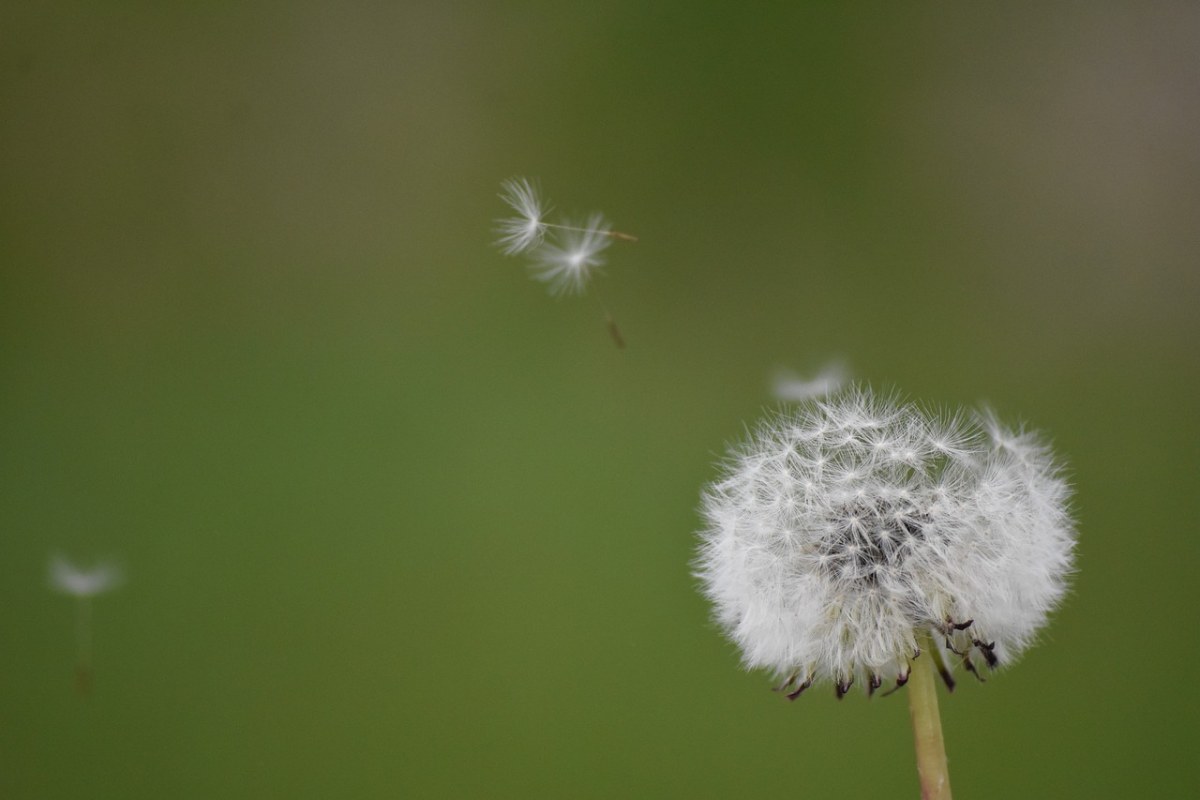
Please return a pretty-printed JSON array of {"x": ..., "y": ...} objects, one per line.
[
  {"x": 84, "y": 584},
  {"x": 526, "y": 230},
  {"x": 564, "y": 255},
  {"x": 854, "y": 539},
  {"x": 566, "y": 268},
  {"x": 789, "y": 386}
]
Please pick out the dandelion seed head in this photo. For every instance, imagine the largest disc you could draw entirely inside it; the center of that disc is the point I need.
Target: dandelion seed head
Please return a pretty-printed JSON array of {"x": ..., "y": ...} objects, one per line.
[
  {"x": 80, "y": 582},
  {"x": 848, "y": 528},
  {"x": 525, "y": 231},
  {"x": 567, "y": 267}
]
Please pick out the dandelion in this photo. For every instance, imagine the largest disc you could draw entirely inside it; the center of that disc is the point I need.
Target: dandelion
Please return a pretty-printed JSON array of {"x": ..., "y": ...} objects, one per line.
[
  {"x": 567, "y": 268},
  {"x": 526, "y": 230},
  {"x": 564, "y": 255},
  {"x": 791, "y": 387},
  {"x": 84, "y": 584},
  {"x": 856, "y": 539}
]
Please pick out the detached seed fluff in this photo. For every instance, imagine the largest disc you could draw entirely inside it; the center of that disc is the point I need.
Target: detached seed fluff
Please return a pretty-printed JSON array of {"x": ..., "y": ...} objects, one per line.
[
  {"x": 850, "y": 527},
  {"x": 526, "y": 230},
  {"x": 791, "y": 387},
  {"x": 80, "y": 582},
  {"x": 563, "y": 255},
  {"x": 566, "y": 268}
]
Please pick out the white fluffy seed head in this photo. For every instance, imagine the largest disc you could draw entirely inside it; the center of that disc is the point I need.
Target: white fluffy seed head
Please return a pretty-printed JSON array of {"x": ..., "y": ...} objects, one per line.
[
  {"x": 526, "y": 230},
  {"x": 567, "y": 267},
  {"x": 849, "y": 527}
]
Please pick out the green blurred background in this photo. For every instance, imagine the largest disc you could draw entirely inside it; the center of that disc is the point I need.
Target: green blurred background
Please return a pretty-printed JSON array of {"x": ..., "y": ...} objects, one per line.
[{"x": 397, "y": 523}]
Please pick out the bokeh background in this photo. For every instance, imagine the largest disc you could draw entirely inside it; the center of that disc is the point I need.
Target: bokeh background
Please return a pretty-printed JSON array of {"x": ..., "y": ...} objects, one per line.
[{"x": 398, "y": 524}]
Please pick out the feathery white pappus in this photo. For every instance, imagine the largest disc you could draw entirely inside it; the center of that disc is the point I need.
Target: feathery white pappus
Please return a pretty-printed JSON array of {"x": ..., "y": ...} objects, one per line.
[
  {"x": 566, "y": 264},
  {"x": 848, "y": 528},
  {"x": 790, "y": 387},
  {"x": 526, "y": 230},
  {"x": 566, "y": 268},
  {"x": 564, "y": 255},
  {"x": 73, "y": 580}
]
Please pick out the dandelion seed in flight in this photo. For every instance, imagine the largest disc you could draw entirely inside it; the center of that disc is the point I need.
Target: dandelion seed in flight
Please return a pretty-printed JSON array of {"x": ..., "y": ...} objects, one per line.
[
  {"x": 794, "y": 388},
  {"x": 526, "y": 230},
  {"x": 566, "y": 268},
  {"x": 84, "y": 584},
  {"x": 563, "y": 255}
]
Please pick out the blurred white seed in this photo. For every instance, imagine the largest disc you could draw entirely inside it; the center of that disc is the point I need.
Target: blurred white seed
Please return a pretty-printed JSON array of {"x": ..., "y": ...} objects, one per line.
[
  {"x": 71, "y": 579},
  {"x": 84, "y": 584},
  {"x": 791, "y": 387}
]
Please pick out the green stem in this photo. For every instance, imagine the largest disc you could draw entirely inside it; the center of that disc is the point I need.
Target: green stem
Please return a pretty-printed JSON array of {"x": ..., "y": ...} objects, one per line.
[{"x": 927, "y": 727}]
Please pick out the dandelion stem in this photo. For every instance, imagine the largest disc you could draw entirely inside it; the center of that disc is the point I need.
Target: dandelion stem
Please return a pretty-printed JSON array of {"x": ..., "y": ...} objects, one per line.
[{"x": 927, "y": 727}]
